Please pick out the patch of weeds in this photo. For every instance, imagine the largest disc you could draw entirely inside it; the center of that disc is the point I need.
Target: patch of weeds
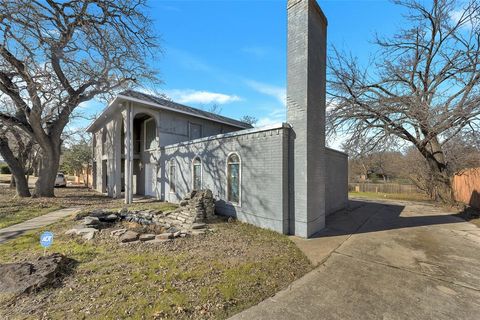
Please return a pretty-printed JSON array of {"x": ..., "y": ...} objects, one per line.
[{"x": 208, "y": 277}]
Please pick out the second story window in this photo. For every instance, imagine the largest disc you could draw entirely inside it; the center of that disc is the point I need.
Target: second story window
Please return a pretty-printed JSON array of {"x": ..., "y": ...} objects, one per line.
[
  {"x": 150, "y": 134},
  {"x": 195, "y": 131}
]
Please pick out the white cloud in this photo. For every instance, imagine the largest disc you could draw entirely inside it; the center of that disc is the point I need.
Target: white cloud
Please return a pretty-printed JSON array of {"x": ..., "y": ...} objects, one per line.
[
  {"x": 196, "y": 96},
  {"x": 279, "y": 93},
  {"x": 469, "y": 18},
  {"x": 275, "y": 116}
]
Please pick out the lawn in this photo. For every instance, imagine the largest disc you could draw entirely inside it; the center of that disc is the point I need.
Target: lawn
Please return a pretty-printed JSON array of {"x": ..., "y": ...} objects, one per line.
[
  {"x": 210, "y": 276},
  {"x": 394, "y": 196},
  {"x": 14, "y": 209}
]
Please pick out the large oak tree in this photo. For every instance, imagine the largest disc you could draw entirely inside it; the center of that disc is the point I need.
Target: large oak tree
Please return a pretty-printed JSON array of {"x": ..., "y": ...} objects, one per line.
[
  {"x": 54, "y": 55},
  {"x": 423, "y": 87}
]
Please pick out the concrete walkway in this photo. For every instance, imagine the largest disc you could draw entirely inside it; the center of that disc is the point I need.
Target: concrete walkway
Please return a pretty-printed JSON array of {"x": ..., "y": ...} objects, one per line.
[
  {"x": 385, "y": 260},
  {"x": 35, "y": 223}
]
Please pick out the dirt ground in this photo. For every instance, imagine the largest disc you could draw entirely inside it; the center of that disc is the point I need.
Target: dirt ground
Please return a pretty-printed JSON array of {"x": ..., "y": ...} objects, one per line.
[{"x": 209, "y": 276}]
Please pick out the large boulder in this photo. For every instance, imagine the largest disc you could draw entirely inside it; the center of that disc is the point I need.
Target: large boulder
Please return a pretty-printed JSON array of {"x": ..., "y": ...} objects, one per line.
[{"x": 17, "y": 278}]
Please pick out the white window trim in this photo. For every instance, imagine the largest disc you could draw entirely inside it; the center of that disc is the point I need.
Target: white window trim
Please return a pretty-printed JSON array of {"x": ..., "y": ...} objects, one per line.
[
  {"x": 239, "y": 204},
  {"x": 193, "y": 172},
  {"x": 170, "y": 162},
  {"x": 145, "y": 134}
]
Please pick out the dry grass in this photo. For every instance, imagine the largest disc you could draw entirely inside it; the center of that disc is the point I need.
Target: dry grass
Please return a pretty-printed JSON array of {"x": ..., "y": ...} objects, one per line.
[
  {"x": 15, "y": 210},
  {"x": 204, "y": 277}
]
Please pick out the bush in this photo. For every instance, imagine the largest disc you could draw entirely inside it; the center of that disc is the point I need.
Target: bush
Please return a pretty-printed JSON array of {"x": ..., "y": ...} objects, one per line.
[{"x": 4, "y": 169}]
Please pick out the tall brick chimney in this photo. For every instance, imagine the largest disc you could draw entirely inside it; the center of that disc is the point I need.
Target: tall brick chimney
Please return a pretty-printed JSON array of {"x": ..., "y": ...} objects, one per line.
[{"x": 306, "y": 76}]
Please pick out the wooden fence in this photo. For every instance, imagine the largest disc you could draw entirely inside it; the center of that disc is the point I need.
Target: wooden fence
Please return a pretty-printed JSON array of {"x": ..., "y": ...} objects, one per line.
[
  {"x": 383, "y": 188},
  {"x": 466, "y": 187}
]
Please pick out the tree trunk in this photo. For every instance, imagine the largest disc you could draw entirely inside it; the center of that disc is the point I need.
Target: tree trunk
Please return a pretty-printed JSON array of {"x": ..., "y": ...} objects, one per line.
[
  {"x": 442, "y": 185},
  {"x": 18, "y": 172},
  {"x": 45, "y": 185}
]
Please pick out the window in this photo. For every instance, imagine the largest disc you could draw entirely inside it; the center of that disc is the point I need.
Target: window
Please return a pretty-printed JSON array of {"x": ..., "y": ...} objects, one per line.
[
  {"x": 150, "y": 134},
  {"x": 172, "y": 175},
  {"x": 104, "y": 141},
  {"x": 195, "y": 131},
  {"x": 197, "y": 174},
  {"x": 233, "y": 178}
]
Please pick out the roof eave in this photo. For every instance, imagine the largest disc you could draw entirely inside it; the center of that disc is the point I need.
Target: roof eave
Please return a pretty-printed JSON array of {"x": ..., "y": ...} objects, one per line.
[
  {"x": 153, "y": 104},
  {"x": 91, "y": 127}
]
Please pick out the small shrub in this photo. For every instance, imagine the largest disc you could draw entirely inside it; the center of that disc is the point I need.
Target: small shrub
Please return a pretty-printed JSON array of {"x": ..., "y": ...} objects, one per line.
[{"x": 4, "y": 169}]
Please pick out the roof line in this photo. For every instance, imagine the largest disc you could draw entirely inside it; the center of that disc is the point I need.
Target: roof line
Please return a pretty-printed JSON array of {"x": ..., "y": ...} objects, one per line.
[
  {"x": 229, "y": 134},
  {"x": 218, "y": 119},
  {"x": 180, "y": 111}
]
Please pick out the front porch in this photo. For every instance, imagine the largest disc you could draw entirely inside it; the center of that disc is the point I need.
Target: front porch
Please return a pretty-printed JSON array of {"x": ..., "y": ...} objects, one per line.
[{"x": 129, "y": 150}]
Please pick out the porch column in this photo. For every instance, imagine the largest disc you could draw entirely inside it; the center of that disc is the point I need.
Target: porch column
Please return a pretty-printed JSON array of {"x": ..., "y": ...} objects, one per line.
[
  {"x": 128, "y": 155},
  {"x": 117, "y": 157}
]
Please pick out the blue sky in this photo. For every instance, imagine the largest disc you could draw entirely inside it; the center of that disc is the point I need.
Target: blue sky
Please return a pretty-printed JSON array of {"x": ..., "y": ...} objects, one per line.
[{"x": 233, "y": 53}]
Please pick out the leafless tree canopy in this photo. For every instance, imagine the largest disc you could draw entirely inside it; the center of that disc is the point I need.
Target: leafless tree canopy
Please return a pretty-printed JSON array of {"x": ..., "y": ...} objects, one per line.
[
  {"x": 423, "y": 88},
  {"x": 55, "y": 55}
]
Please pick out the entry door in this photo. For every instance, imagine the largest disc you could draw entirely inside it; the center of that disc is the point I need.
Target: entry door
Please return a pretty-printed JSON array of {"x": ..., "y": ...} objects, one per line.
[{"x": 150, "y": 179}]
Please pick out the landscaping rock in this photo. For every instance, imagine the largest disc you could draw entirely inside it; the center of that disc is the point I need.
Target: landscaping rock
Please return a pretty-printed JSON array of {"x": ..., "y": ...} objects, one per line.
[
  {"x": 172, "y": 230},
  {"x": 183, "y": 203},
  {"x": 165, "y": 235},
  {"x": 129, "y": 236},
  {"x": 89, "y": 235},
  {"x": 23, "y": 277},
  {"x": 110, "y": 218},
  {"x": 199, "y": 225},
  {"x": 97, "y": 213},
  {"x": 197, "y": 232},
  {"x": 81, "y": 231},
  {"x": 118, "y": 232},
  {"x": 91, "y": 221},
  {"x": 146, "y": 237}
]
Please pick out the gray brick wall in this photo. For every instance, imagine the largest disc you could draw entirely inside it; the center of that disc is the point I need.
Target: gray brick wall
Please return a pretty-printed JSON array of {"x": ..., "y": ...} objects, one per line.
[
  {"x": 263, "y": 174},
  {"x": 336, "y": 186}
]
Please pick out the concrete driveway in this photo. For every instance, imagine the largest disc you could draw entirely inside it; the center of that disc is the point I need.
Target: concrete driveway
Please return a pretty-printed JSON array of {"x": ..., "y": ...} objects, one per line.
[{"x": 390, "y": 260}]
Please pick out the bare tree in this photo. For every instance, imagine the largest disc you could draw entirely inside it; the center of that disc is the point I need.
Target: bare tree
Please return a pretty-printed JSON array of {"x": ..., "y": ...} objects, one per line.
[
  {"x": 54, "y": 55},
  {"x": 18, "y": 150},
  {"x": 251, "y": 120},
  {"x": 423, "y": 88}
]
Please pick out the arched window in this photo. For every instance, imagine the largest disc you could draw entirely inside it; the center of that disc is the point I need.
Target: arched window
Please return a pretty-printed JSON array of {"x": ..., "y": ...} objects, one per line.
[
  {"x": 233, "y": 178},
  {"x": 197, "y": 173},
  {"x": 172, "y": 175}
]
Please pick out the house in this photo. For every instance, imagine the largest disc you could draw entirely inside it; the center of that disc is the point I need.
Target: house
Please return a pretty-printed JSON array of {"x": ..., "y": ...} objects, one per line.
[{"x": 280, "y": 177}]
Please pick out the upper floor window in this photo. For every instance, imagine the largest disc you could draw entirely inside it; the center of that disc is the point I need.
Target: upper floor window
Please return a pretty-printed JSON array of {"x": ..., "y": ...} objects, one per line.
[
  {"x": 197, "y": 174},
  {"x": 172, "y": 175},
  {"x": 104, "y": 141},
  {"x": 233, "y": 178},
  {"x": 150, "y": 134},
  {"x": 195, "y": 131}
]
